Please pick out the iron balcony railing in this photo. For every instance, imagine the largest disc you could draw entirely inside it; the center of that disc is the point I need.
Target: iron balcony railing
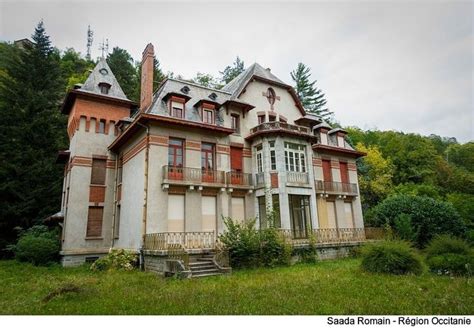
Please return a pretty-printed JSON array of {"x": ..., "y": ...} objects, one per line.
[
  {"x": 260, "y": 179},
  {"x": 336, "y": 187},
  {"x": 297, "y": 177},
  {"x": 188, "y": 240},
  {"x": 277, "y": 125},
  {"x": 332, "y": 235},
  {"x": 239, "y": 178},
  {"x": 208, "y": 240},
  {"x": 193, "y": 175}
]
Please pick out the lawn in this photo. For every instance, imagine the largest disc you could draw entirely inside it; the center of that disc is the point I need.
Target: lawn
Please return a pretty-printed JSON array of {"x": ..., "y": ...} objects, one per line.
[{"x": 328, "y": 287}]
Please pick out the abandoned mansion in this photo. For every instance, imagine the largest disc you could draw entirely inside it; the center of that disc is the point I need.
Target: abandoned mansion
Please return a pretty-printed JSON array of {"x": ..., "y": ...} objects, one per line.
[{"x": 167, "y": 171}]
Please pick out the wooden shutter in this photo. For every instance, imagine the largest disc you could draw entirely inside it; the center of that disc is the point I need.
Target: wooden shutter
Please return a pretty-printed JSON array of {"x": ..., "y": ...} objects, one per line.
[
  {"x": 344, "y": 172},
  {"x": 94, "y": 221},
  {"x": 327, "y": 171},
  {"x": 98, "y": 171},
  {"x": 236, "y": 159}
]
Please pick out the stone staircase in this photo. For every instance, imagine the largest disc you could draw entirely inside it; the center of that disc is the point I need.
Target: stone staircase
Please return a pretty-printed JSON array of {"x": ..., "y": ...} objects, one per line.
[{"x": 203, "y": 266}]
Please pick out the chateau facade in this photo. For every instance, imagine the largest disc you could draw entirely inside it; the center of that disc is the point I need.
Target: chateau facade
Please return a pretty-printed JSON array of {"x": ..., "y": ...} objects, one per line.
[{"x": 187, "y": 156}]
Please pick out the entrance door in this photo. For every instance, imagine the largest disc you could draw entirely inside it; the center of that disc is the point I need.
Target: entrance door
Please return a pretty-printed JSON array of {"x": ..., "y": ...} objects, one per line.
[
  {"x": 236, "y": 166},
  {"x": 300, "y": 215}
]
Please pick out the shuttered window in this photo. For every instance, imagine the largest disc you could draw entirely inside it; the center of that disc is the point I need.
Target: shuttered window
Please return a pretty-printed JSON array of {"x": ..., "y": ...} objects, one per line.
[
  {"x": 98, "y": 171},
  {"x": 94, "y": 221}
]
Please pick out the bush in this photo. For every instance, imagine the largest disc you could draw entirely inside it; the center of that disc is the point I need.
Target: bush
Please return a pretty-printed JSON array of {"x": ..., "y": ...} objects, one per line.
[
  {"x": 308, "y": 254},
  {"x": 428, "y": 216},
  {"x": 394, "y": 257},
  {"x": 249, "y": 247},
  {"x": 404, "y": 227},
  {"x": 116, "y": 259},
  {"x": 37, "y": 245},
  {"x": 450, "y": 256}
]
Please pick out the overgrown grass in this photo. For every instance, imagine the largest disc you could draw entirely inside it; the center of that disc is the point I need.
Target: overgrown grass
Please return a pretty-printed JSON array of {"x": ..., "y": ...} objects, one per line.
[{"x": 328, "y": 287}]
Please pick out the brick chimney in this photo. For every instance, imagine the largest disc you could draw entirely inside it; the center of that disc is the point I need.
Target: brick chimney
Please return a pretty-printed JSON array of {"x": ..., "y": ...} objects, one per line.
[{"x": 146, "y": 84}]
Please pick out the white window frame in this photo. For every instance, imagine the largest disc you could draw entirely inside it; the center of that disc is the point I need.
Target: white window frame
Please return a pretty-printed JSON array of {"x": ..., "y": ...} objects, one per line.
[
  {"x": 295, "y": 157},
  {"x": 259, "y": 158}
]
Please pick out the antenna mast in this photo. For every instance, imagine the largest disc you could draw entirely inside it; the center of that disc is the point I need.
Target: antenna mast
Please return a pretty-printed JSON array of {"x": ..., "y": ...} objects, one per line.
[
  {"x": 90, "y": 38},
  {"x": 104, "y": 47}
]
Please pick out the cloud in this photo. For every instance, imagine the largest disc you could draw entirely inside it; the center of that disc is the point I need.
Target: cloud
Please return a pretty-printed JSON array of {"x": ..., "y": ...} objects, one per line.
[{"x": 391, "y": 65}]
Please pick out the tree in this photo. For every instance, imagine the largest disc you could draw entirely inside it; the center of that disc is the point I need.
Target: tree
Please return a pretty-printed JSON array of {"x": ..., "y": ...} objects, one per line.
[
  {"x": 31, "y": 132},
  {"x": 230, "y": 72},
  {"x": 310, "y": 96},
  {"x": 121, "y": 64},
  {"x": 75, "y": 69},
  {"x": 206, "y": 80},
  {"x": 428, "y": 216},
  {"x": 375, "y": 176}
]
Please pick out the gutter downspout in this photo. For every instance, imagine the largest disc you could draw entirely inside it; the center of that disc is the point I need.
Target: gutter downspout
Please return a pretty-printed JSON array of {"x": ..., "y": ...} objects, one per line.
[
  {"x": 145, "y": 192},
  {"x": 114, "y": 222}
]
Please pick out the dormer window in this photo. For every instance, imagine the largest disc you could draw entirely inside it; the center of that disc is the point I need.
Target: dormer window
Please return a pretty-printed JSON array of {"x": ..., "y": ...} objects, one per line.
[
  {"x": 177, "y": 108},
  {"x": 208, "y": 116},
  {"x": 104, "y": 88}
]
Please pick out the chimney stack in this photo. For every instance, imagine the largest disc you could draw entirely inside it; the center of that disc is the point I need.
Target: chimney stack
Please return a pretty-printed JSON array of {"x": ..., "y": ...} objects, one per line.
[{"x": 146, "y": 83}]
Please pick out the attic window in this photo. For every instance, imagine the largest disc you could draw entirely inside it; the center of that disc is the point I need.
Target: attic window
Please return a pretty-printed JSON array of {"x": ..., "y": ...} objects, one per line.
[
  {"x": 104, "y": 88},
  {"x": 213, "y": 96},
  {"x": 185, "y": 89},
  {"x": 103, "y": 71}
]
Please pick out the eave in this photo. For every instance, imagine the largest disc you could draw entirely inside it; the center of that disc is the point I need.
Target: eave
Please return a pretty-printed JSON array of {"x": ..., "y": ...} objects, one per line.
[
  {"x": 144, "y": 119},
  {"x": 74, "y": 93},
  {"x": 327, "y": 149},
  {"x": 280, "y": 132}
]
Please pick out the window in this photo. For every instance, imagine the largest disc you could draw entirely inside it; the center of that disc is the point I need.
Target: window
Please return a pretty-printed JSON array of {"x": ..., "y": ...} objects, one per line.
[
  {"x": 94, "y": 221},
  {"x": 295, "y": 157},
  {"x": 300, "y": 215},
  {"x": 98, "y": 171},
  {"x": 177, "y": 109},
  {"x": 261, "y": 119},
  {"x": 259, "y": 158},
  {"x": 175, "y": 152},
  {"x": 101, "y": 127},
  {"x": 207, "y": 156},
  {"x": 104, "y": 88},
  {"x": 208, "y": 116},
  {"x": 272, "y": 118},
  {"x": 284, "y": 120},
  {"x": 272, "y": 155},
  {"x": 276, "y": 210},
  {"x": 235, "y": 122},
  {"x": 262, "y": 211},
  {"x": 327, "y": 172}
]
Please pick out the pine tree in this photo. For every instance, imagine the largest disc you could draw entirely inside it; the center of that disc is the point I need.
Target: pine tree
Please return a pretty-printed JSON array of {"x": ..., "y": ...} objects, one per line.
[
  {"x": 31, "y": 133},
  {"x": 310, "y": 96},
  {"x": 121, "y": 64},
  {"x": 230, "y": 72}
]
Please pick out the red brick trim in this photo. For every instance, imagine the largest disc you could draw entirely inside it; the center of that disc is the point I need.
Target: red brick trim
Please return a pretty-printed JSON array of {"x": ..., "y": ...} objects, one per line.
[
  {"x": 247, "y": 152},
  {"x": 193, "y": 145},
  {"x": 159, "y": 140},
  {"x": 223, "y": 149}
]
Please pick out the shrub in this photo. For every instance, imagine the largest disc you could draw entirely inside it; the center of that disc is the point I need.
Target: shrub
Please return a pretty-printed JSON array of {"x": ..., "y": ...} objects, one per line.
[
  {"x": 428, "y": 216},
  {"x": 117, "y": 259},
  {"x": 249, "y": 247},
  {"x": 404, "y": 228},
  {"x": 450, "y": 256},
  {"x": 308, "y": 254},
  {"x": 37, "y": 245},
  {"x": 394, "y": 257}
]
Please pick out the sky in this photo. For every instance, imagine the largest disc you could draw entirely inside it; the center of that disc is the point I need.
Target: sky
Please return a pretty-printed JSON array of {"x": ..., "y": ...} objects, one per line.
[{"x": 388, "y": 65}]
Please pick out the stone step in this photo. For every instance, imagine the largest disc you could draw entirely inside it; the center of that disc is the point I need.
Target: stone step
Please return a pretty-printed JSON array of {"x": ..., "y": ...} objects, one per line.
[
  {"x": 202, "y": 267},
  {"x": 206, "y": 262},
  {"x": 205, "y": 275},
  {"x": 208, "y": 259}
]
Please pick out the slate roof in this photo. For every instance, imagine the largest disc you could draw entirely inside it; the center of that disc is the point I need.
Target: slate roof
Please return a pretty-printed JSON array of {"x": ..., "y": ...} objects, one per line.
[
  {"x": 103, "y": 74},
  {"x": 196, "y": 93},
  {"x": 236, "y": 86}
]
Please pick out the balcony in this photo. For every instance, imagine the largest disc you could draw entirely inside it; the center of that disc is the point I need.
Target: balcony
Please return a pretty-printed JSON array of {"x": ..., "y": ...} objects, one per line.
[
  {"x": 332, "y": 235},
  {"x": 192, "y": 176},
  {"x": 297, "y": 178},
  {"x": 187, "y": 240},
  {"x": 239, "y": 179},
  {"x": 281, "y": 128},
  {"x": 336, "y": 188}
]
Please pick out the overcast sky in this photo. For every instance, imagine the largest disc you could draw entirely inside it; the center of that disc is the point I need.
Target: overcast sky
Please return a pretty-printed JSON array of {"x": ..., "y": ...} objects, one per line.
[{"x": 405, "y": 66}]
